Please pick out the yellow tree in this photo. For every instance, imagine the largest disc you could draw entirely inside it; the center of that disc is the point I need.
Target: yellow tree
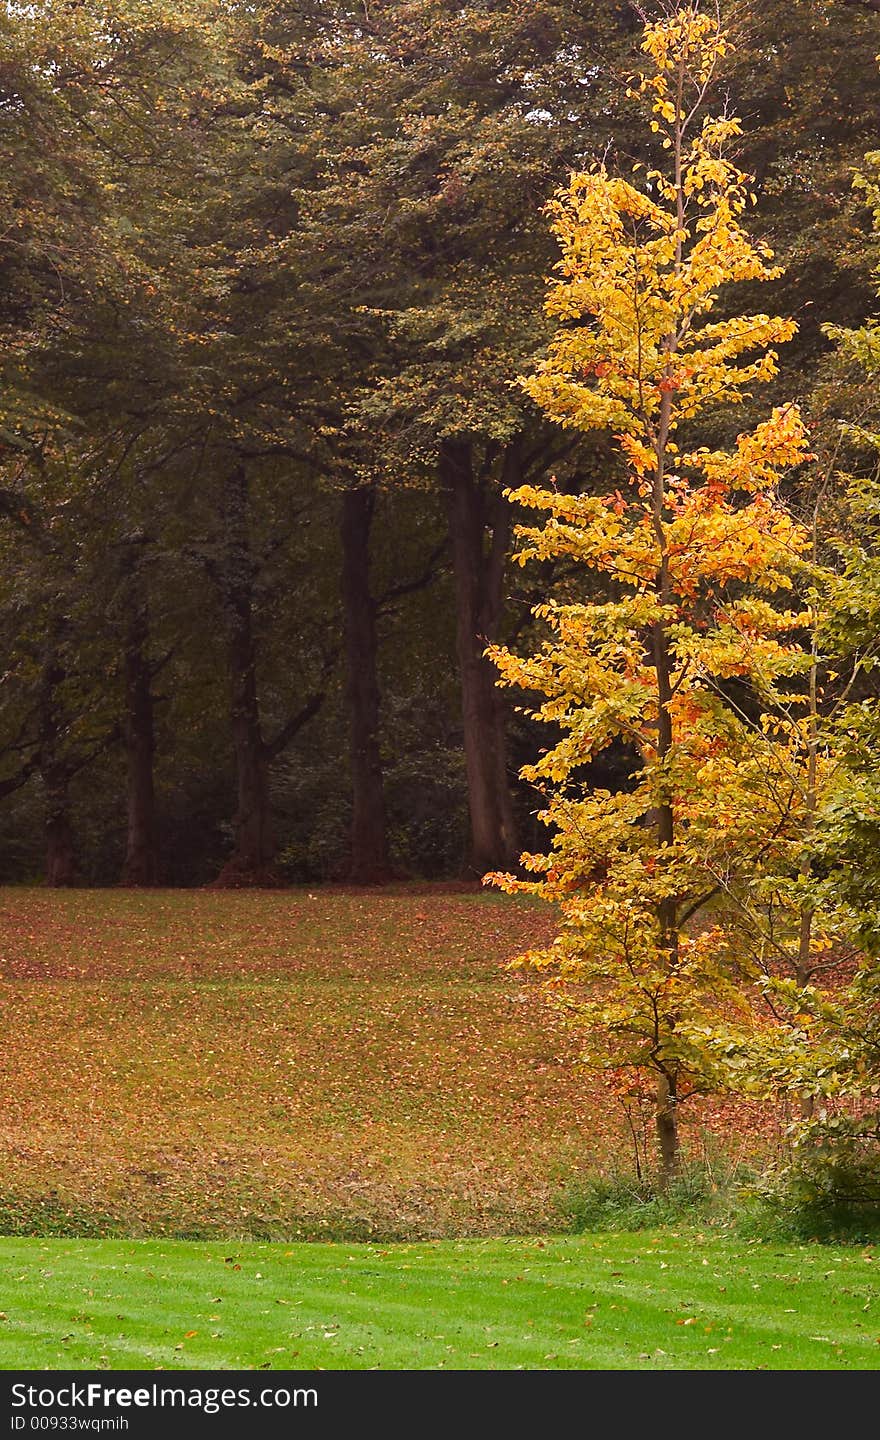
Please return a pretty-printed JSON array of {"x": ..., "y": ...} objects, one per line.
[{"x": 694, "y": 552}]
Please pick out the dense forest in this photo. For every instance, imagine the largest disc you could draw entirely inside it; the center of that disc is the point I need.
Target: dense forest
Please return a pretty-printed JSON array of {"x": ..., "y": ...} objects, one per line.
[{"x": 270, "y": 273}]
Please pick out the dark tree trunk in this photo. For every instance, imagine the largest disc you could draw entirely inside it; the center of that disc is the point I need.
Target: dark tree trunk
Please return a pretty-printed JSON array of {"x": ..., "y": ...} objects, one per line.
[
  {"x": 60, "y": 856},
  {"x": 369, "y": 864},
  {"x": 254, "y": 853},
  {"x": 56, "y": 775},
  {"x": 667, "y": 909},
  {"x": 141, "y": 865},
  {"x": 478, "y": 560}
]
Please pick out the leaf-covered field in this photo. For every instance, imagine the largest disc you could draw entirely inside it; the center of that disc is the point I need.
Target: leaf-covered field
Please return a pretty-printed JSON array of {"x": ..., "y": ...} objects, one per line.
[
  {"x": 663, "y": 1301},
  {"x": 283, "y": 1064}
]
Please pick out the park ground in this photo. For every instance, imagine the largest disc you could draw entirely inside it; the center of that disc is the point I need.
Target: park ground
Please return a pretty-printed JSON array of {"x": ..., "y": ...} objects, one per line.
[
  {"x": 670, "y": 1300},
  {"x": 198, "y": 1086},
  {"x": 296, "y": 1065}
]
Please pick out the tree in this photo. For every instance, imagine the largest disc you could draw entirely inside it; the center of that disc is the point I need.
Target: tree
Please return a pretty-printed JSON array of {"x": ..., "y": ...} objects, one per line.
[
  {"x": 97, "y": 106},
  {"x": 370, "y": 863},
  {"x": 432, "y": 136},
  {"x": 691, "y": 550},
  {"x": 267, "y": 274},
  {"x": 802, "y": 74},
  {"x": 193, "y": 334},
  {"x": 814, "y": 903},
  {"x": 826, "y": 1047}
]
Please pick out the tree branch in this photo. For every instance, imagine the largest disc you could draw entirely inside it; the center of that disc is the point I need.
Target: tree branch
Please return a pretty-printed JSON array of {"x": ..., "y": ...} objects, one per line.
[
  {"x": 280, "y": 741},
  {"x": 273, "y": 748},
  {"x": 385, "y": 601},
  {"x": 21, "y": 776}
]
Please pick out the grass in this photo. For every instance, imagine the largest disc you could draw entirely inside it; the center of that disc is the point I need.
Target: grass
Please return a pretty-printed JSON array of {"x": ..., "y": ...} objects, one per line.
[
  {"x": 293, "y": 1064},
  {"x": 652, "y": 1301},
  {"x": 349, "y": 1066}
]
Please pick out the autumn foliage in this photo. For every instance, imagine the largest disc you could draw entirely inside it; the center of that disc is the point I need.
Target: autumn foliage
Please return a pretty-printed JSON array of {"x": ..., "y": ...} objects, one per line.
[{"x": 696, "y": 625}]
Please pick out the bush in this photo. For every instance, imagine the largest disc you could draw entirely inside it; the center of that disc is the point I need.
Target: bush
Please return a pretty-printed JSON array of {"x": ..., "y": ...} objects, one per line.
[
  {"x": 624, "y": 1202},
  {"x": 830, "y": 1191}
]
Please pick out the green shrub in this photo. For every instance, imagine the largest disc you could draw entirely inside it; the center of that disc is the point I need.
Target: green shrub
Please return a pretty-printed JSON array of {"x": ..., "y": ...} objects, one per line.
[
  {"x": 830, "y": 1191},
  {"x": 622, "y": 1201}
]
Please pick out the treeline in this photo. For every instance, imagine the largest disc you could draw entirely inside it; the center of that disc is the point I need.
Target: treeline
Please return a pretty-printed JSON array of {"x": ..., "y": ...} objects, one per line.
[{"x": 267, "y": 279}]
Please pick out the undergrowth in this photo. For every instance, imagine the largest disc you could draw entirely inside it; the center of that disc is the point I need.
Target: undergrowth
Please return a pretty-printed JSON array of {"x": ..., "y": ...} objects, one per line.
[{"x": 621, "y": 1201}]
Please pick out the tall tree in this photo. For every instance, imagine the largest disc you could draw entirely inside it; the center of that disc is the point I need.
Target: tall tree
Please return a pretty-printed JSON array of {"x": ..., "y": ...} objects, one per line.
[
  {"x": 141, "y": 864},
  {"x": 370, "y": 860},
  {"x": 692, "y": 549},
  {"x": 803, "y": 77},
  {"x": 432, "y": 141}
]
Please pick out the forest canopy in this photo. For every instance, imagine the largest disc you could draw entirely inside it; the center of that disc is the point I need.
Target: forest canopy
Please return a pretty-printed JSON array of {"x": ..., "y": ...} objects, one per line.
[{"x": 270, "y": 276}]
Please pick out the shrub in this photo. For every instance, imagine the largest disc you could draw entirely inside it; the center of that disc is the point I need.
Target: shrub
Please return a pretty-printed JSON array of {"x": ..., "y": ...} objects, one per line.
[
  {"x": 829, "y": 1191},
  {"x": 621, "y": 1201}
]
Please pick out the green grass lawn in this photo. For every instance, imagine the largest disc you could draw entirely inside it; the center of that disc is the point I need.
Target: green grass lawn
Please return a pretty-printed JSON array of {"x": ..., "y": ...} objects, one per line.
[{"x": 655, "y": 1300}]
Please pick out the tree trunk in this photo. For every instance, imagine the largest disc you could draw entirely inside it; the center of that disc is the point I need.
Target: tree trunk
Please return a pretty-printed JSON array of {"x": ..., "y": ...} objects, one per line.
[
  {"x": 667, "y": 909},
  {"x": 667, "y": 1132},
  {"x": 56, "y": 775},
  {"x": 141, "y": 866},
  {"x": 478, "y": 576},
  {"x": 60, "y": 857},
  {"x": 254, "y": 852},
  {"x": 369, "y": 863}
]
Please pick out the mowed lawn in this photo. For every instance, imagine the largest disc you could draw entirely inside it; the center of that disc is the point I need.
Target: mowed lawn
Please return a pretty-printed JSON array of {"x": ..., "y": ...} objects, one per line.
[
  {"x": 663, "y": 1301},
  {"x": 283, "y": 1064}
]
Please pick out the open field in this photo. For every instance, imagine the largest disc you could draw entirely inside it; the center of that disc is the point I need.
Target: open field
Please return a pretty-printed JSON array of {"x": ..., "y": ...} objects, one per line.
[
  {"x": 285, "y": 1064},
  {"x": 654, "y": 1301}
]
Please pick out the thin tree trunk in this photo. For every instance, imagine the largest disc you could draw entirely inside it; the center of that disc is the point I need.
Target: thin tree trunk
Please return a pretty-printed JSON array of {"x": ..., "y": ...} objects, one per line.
[
  {"x": 60, "y": 856},
  {"x": 56, "y": 775},
  {"x": 369, "y": 862},
  {"x": 478, "y": 577},
  {"x": 141, "y": 865},
  {"x": 667, "y": 910},
  {"x": 254, "y": 852},
  {"x": 667, "y": 1131},
  {"x": 804, "y": 964}
]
